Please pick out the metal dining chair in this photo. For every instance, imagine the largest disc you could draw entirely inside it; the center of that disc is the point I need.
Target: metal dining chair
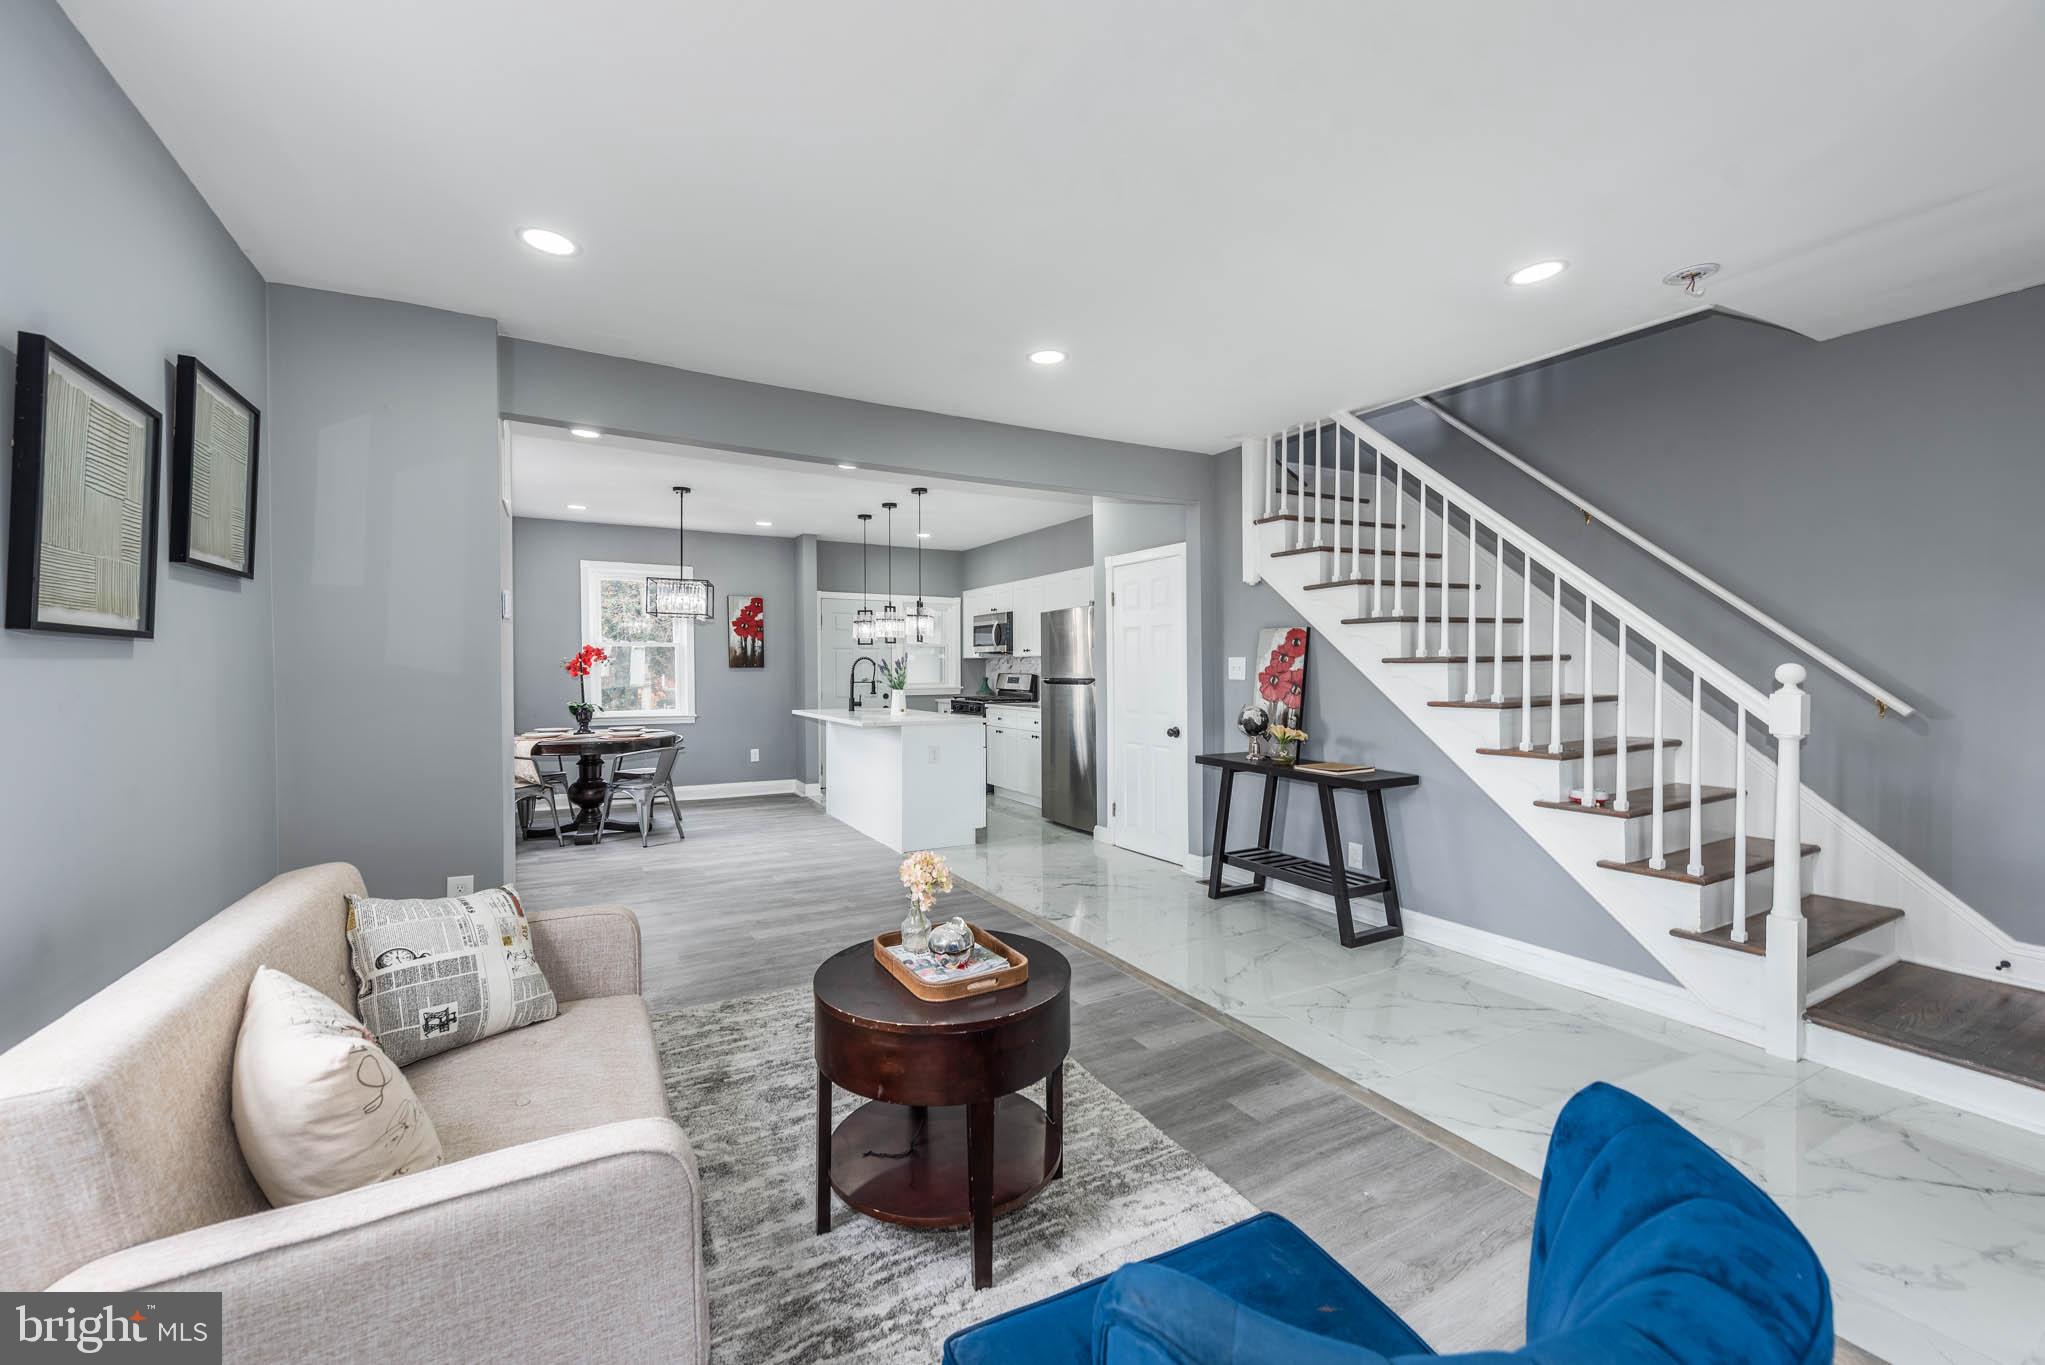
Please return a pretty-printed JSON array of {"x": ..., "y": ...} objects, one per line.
[
  {"x": 646, "y": 786},
  {"x": 527, "y": 795}
]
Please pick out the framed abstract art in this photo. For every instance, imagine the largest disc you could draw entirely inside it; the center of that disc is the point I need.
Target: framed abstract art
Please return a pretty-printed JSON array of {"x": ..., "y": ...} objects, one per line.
[
  {"x": 81, "y": 535},
  {"x": 213, "y": 445},
  {"x": 1282, "y": 674},
  {"x": 746, "y": 645}
]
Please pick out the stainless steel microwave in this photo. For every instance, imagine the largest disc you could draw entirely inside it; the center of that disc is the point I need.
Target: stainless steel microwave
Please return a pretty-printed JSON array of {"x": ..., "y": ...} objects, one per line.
[{"x": 994, "y": 632}]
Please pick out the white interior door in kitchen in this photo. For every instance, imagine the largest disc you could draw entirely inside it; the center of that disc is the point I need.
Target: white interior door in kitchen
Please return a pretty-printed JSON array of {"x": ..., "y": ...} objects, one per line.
[{"x": 1147, "y": 746}]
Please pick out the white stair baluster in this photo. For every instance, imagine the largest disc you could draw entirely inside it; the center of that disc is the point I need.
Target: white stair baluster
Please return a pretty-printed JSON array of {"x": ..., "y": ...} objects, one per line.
[
  {"x": 1497, "y": 617},
  {"x": 1319, "y": 512},
  {"x": 1526, "y": 651},
  {"x": 1469, "y": 614},
  {"x": 1619, "y": 801},
  {"x": 1695, "y": 867},
  {"x": 1268, "y": 476},
  {"x": 1442, "y": 647},
  {"x": 1356, "y": 510},
  {"x": 1657, "y": 857},
  {"x": 1554, "y": 673},
  {"x": 1740, "y": 824},
  {"x": 1297, "y": 475},
  {"x": 1399, "y": 542},
  {"x": 1590, "y": 761},
  {"x": 1423, "y": 570},
  {"x": 1782, "y": 1015},
  {"x": 1377, "y": 540}
]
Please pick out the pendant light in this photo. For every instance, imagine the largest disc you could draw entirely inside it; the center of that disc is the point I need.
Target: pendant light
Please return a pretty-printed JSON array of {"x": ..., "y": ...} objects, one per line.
[
  {"x": 862, "y": 620},
  {"x": 922, "y": 625},
  {"x": 890, "y": 618},
  {"x": 685, "y": 599}
]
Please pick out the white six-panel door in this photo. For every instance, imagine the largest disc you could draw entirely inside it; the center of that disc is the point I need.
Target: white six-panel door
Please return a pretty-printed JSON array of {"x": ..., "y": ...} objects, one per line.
[{"x": 1148, "y": 749}]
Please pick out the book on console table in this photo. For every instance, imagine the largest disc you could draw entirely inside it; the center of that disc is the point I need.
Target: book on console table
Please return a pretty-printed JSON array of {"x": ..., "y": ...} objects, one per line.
[{"x": 1329, "y": 766}]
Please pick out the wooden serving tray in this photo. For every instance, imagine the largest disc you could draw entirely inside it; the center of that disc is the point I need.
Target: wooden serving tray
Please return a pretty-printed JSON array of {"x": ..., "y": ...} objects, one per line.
[{"x": 1014, "y": 974}]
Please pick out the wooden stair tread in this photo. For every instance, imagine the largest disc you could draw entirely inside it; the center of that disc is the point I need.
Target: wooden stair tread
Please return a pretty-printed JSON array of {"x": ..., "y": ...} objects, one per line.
[
  {"x": 1481, "y": 658},
  {"x": 1513, "y": 703},
  {"x": 1994, "y": 1027},
  {"x": 1330, "y": 549},
  {"x": 1427, "y": 620},
  {"x": 1715, "y": 857},
  {"x": 1832, "y": 922},
  {"x": 1640, "y": 800},
  {"x": 1369, "y": 582},
  {"x": 1325, "y": 521},
  {"x": 1573, "y": 749}
]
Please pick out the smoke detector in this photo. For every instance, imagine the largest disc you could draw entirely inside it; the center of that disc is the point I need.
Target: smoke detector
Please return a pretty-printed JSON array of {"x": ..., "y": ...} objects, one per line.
[{"x": 1692, "y": 278}]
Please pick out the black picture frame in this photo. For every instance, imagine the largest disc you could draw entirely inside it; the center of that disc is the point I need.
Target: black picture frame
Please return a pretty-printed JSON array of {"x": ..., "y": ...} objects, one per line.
[
  {"x": 34, "y": 356},
  {"x": 184, "y": 430}
]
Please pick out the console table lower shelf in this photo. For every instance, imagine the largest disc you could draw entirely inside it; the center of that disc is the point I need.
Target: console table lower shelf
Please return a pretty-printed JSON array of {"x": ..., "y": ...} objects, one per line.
[{"x": 1327, "y": 874}]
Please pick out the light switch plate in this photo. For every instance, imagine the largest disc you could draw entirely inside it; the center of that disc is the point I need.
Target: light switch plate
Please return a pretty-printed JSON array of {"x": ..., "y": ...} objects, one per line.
[
  {"x": 755, "y": 756},
  {"x": 1355, "y": 854},
  {"x": 505, "y": 607},
  {"x": 461, "y": 886},
  {"x": 1238, "y": 668}
]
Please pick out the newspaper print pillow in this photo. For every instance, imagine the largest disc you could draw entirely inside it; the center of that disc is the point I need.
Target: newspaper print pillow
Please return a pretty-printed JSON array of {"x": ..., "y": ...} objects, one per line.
[{"x": 433, "y": 975}]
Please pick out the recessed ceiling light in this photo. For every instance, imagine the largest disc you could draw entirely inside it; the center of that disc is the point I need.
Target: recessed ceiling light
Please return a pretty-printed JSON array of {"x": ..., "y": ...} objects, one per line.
[
  {"x": 1049, "y": 356},
  {"x": 546, "y": 240},
  {"x": 1537, "y": 272},
  {"x": 763, "y": 523},
  {"x": 843, "y": 465},
  {"x": 578, "y": 507},
  {"x": 586, "y": 433}
]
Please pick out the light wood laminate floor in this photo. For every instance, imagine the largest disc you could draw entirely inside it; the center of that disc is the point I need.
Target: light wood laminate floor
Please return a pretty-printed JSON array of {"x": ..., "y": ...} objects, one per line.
[{"x": 763, "y": 889}]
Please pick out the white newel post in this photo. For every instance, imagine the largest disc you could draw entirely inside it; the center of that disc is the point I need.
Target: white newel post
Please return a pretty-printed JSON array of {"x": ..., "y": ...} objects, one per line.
[
  {"x": 1256, "y": 470},
  {"x": 1789, "y": 720}
]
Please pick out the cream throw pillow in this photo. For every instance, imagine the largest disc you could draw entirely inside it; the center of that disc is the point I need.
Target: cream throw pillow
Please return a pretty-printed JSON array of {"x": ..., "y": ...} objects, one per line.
[
  {"x": 434, "y": 974},
  {"x": 318, "y": 1107}
]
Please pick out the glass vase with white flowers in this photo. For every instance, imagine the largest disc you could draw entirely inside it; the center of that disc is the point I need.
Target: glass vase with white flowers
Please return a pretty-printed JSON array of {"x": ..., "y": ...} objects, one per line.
[{"x": 925, "y": 874}]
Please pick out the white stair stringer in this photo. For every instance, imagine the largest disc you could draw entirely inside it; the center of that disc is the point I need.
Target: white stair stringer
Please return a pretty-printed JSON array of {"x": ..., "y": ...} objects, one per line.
[{"x": 1725, "y": 985}]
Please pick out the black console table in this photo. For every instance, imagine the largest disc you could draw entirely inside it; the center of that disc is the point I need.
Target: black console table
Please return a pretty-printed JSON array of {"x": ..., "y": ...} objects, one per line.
[{"x": 1327, "y": 876}]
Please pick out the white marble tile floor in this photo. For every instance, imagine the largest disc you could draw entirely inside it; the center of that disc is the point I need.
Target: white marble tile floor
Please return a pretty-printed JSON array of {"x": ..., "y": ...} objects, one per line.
[{"x": 1930, "y": 1221}]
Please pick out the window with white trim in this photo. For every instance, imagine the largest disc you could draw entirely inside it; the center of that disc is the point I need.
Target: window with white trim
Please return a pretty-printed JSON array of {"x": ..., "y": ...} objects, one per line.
[{"x": 651, "y": 672}]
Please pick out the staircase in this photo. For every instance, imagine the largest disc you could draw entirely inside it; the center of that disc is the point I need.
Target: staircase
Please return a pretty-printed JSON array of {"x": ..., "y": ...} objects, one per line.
[{"x": 1666, "y": 785}]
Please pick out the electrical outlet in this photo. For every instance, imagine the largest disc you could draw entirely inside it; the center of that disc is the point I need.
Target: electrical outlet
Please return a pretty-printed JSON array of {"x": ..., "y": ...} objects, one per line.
[
  {"x": 756, "y": 756},
  {"x": 1355, "y": 854},
  {"x": 1238, "y": 668},
  {"x": 461, "y": 886}
]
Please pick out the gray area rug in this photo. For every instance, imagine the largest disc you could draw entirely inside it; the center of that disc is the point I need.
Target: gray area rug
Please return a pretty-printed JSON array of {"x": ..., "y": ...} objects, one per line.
[{"x": 741, "y": 1082}]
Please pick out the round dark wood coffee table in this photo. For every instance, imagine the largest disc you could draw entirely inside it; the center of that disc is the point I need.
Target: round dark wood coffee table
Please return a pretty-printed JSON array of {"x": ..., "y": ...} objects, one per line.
[{"x": 946, "y": 1141}]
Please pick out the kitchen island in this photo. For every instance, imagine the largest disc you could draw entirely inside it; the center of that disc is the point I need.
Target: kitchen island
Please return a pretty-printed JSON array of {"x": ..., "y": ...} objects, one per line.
[{"x": 913, "y": 781}]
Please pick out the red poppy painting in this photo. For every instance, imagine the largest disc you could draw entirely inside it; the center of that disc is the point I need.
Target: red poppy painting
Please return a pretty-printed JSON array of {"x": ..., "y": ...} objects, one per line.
[
  {"x": 1282, "y": 674},
  {"x": 747, "y": 643}
]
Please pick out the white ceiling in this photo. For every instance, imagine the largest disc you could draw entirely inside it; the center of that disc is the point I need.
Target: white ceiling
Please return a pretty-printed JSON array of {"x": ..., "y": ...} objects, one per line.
[
  {"x": 1233, "y": 215},
  {"x": 630, "y": 482}
]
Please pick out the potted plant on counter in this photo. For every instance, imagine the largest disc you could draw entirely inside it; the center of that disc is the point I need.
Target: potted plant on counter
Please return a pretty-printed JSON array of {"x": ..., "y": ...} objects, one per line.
[
  {"x": 896, "y": 676},
  {"x": 579, "y": 668}
]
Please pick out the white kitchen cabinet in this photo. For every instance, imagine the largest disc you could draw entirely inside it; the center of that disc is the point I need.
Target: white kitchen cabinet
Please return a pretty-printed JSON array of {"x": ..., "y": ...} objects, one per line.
[
  {"x": 1014, "y": 758},
  {"x": 1000, "y": 597},
  {"x": 1029, "y": 620}
]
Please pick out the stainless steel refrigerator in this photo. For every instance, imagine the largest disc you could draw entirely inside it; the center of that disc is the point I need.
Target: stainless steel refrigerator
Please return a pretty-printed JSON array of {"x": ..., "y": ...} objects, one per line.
[{"x": 1066, "y": 703}]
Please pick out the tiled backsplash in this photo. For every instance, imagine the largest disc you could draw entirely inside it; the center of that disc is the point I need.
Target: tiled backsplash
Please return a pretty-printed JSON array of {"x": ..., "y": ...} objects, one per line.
[{"x": 982, "y": 668}]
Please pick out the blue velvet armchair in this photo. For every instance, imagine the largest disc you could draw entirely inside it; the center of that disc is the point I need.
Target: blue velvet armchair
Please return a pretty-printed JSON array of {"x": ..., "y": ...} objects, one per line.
[{"x": 1648, "y": 1247}]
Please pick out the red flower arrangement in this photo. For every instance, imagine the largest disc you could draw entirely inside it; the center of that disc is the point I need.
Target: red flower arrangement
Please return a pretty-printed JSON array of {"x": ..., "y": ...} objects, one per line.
[{"x": 585, "y": 659}]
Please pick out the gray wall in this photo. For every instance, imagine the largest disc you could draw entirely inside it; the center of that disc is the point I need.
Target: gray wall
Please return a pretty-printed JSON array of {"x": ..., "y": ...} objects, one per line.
[
  {"x": 106, "y": 247},
  {"x": 554, "y": 384},
  {"x": 1879, "y": 493},
  {"x": 838, "y": 568},
  {"x": 737, "y": 709},
  {"x": 1052, "y": 549},
  {"x": 1459, "y": 856},
  {"x": 392, "y": 745}
]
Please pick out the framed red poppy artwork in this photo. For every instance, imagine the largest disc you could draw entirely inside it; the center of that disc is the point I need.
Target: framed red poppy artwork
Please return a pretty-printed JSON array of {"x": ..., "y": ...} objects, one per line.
[
  {"x": 1282, "y": 674},
  {"x": 746, "y": 647}
]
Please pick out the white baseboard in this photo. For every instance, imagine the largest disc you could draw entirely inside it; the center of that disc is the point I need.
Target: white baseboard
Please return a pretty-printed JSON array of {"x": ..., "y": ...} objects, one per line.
[
  {"x": 2020, "y": 1106},
  {"x": 725, "y": 791},
  {"x": 814, "y": 791},
  {"x": 1592, "y": 978},
  {"x": 1101, "y": 835}
]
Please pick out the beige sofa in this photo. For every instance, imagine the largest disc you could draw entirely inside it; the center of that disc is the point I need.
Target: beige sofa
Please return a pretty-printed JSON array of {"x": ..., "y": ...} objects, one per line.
[{"x": 565, "y": 1224}]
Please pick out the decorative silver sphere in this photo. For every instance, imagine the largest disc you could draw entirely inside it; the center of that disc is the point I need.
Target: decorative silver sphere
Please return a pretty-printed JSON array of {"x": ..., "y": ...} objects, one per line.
[{"x": 951, "y": 942}]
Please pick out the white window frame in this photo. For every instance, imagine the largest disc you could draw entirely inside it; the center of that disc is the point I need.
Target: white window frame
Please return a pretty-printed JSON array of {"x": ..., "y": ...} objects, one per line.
[
  {"x": 595, "y": 570},
  {"x": 950, "y": 613}
]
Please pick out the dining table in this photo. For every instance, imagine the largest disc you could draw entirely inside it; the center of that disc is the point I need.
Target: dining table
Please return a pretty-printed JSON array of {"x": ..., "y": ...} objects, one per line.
[{"x": 589, "y": 791}]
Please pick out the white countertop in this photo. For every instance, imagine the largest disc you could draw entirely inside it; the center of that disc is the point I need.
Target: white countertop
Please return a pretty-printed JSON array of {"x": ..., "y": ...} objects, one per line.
[{"x": 877, "y": 718}]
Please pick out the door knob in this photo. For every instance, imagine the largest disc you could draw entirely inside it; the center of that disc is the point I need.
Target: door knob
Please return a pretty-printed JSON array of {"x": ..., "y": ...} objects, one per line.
[{"x": 1172, "y": 733}]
